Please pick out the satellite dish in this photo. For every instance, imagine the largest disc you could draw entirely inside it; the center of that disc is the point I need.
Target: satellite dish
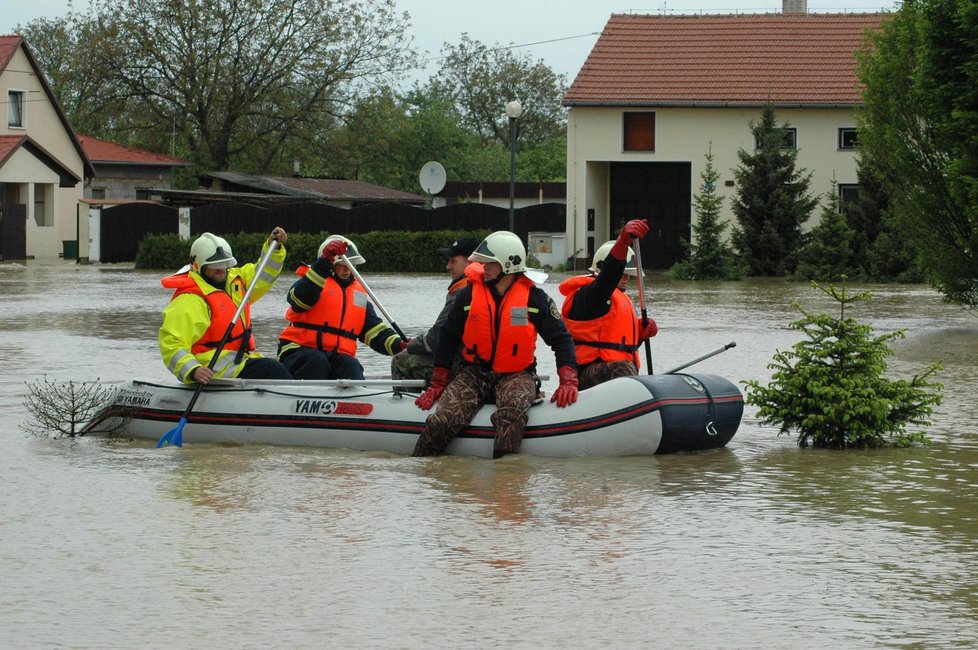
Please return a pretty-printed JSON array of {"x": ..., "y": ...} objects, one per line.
[{"x": 432, "y": 177}]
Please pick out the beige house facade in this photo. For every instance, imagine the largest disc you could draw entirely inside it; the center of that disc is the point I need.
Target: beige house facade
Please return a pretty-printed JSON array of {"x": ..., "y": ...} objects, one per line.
[
  {"x": 658, "y": 93},
  {"x": 42, "y": 165}
]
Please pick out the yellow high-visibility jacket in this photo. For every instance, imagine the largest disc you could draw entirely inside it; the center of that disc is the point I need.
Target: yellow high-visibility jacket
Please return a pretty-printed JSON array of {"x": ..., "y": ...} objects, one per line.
[{"x": 187, "y": 318}]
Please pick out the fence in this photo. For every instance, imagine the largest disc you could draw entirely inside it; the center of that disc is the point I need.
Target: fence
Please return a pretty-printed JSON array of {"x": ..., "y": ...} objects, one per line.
[{"x": 124, "y": 226}]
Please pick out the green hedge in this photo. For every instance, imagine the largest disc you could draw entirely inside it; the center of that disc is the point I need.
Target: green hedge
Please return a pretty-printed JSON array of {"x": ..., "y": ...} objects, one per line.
[{"x": 390, "y": 251}]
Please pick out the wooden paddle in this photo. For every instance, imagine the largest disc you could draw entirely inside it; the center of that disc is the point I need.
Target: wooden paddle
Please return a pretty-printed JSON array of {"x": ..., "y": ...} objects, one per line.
[
  {"x": 175, "y": 435},
  {"x": 636, "y": 244}
]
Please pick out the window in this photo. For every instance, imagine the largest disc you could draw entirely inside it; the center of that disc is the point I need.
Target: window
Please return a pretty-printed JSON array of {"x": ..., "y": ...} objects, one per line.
[
  {"x": 848, "y": 138},
  {"x": 43, "y": 208},
  {"x": 638, "y": 131},
  {"x": 15, "y": 108},
  {"x": 143, "y": 194},
  {"x": 98, "y": 192},
  {"x": 789, "y": 138},
  {"x": 848, "y": 195}
]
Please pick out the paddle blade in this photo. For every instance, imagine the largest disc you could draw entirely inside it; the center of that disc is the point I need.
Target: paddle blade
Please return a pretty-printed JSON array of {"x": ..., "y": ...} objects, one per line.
[{"x": 174, "y": 436}]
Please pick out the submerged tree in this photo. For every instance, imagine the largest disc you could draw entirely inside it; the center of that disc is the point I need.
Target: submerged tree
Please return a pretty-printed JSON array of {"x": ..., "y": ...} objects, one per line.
[
  {"x": 63, "y": 408},
  {"x": 772, "y": 201},
  {"x": 710, "y": 258},
  {"x": 830, "y": 388}
]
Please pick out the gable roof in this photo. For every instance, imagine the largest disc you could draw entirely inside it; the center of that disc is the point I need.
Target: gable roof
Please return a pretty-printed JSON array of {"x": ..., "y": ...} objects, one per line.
[
  {"x": 104, "y": 152},
  {"x": 724, "y": 60},
  {"x": 327, "y": 189},
  {"x": 8, "y": 47},
  {"x": 9, "y": 144}
]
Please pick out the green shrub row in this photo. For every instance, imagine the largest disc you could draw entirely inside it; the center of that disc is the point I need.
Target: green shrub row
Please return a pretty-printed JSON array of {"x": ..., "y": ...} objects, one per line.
[{"x": 388, "y": 251}]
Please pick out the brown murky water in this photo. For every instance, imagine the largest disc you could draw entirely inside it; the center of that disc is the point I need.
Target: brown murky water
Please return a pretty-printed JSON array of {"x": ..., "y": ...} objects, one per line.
[{"x": 758, "y": 545}]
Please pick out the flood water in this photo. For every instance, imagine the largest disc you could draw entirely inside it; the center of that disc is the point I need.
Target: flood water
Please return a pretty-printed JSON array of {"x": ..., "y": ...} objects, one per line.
[{"x": 757, "y": 545}]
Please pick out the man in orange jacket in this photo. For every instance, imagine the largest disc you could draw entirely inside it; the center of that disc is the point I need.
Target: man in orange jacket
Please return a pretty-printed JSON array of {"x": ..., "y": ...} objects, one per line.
[
  {"x": 496, "y": 320},
  {"x": 601, "y": 317},
  {"x": 328, "y": 313}
]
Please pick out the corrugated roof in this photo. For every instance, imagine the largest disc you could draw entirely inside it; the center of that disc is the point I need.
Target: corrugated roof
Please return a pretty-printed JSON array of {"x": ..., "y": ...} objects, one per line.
[
  {"x": 721, "y": 60},
  {"x": 331, "y": 189},
  {"x": 103, "y": 151}
]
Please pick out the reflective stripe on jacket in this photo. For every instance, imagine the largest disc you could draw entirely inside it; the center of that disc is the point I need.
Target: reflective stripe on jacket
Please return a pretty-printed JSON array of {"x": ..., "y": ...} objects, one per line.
[
  {"x": 334, "y": 322},
  {"x": 187, "y": 317},
  {"x": 220, "y": 307},
  {"x": 500, "y": 337},
  {"x": 612, "y": 337}
]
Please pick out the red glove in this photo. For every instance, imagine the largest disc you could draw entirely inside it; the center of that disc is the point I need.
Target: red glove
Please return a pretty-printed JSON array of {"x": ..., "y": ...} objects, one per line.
[
  {"x": 404, "y": 344},
  {"x": 439, "y": 380},
  {"x": 334, "y": 249},
  {"x": 634, "y": 229},
  {"x": 648, "y": 330},
  {"x": 566, "y": 393}
]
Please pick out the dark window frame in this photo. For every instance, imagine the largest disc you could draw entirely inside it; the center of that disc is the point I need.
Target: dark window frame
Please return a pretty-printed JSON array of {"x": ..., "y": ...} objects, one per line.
[{"x": 848, "y": 138}]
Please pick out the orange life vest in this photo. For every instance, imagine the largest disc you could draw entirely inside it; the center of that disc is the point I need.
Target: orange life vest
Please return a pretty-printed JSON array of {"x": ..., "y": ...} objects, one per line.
[
  {"x": 499, "y": 337},
  {"x": 222, "y": 308},
  {"x": 612, "y": 337},
  {"x": 334, "y": 322}
]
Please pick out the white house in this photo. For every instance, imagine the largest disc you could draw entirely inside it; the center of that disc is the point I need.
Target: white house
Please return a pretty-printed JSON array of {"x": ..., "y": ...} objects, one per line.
[
  {"x": 657, "y": 93},
  {"x": 42, "y": 164}
]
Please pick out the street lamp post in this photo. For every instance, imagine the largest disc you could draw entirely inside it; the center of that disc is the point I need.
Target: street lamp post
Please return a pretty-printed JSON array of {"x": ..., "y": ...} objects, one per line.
[{"x": 514, "y": 110}]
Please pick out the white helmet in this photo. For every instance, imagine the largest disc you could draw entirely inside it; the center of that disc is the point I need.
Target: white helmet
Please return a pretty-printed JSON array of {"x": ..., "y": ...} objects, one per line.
[
  {"x": 503, "y": 247},
  {"x": 352, "y": 253},
  {"x": 604, "y": 250},
  {"x": 211, "y": 250}
]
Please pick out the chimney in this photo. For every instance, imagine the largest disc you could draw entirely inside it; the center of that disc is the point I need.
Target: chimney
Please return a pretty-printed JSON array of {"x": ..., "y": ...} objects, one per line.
[{"x": 794, "y": 7}]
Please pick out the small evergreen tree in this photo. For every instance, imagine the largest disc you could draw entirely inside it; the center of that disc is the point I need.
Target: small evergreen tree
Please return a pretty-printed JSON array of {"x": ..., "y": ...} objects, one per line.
[
  {"x": 710, "y": 258},
  {"x": 772, "y": 201},
  {"x": 829, "y": 249},
  {"x": 830, "y": 389}
]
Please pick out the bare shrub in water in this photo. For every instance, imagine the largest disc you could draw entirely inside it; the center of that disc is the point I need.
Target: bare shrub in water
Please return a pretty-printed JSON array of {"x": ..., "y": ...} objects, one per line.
[
  {"x": 830, "y": 389},
  {"x": 63, "y": 408}
]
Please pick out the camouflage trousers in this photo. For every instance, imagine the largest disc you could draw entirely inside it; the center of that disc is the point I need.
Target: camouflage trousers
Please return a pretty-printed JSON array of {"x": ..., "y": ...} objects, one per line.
[
  {"x": 473, "y": 386},
  {"x": 405, "y": 365},
  {"x": 602, "y": 371}
]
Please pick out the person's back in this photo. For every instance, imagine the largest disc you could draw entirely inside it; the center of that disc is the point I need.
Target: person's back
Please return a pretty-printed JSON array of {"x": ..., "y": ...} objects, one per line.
[{"x": 601, "y": 317}]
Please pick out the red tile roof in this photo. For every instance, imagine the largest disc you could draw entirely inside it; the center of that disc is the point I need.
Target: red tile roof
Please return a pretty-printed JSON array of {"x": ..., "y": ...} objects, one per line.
[
  {"x": 724, "y": 60},
  {"x": 8, "y": 45},
  {"x": 103, "y": 151}
]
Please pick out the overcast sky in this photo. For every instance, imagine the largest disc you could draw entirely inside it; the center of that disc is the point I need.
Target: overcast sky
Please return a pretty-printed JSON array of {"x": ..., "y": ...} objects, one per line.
[{"x": 560, "y": 32}]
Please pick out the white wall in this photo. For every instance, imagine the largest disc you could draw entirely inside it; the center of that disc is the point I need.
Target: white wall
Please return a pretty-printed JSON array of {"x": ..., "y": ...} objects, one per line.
[{"x": 594, "y": 139}]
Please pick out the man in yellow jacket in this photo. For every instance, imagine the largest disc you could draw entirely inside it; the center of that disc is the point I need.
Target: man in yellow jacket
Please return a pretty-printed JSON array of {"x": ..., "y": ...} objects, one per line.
[{"x": 205, "y": 298}]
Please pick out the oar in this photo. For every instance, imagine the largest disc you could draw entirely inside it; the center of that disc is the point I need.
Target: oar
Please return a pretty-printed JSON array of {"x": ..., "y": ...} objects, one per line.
[
  {"x": 373, "y": 298},
  {"x": 175, "y": 435},
  {"x": 732, "y": 344},
  {"x": 641, "y": 299}
]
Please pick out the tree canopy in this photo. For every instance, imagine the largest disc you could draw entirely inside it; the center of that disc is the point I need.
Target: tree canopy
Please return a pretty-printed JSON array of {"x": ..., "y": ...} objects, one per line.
[
  {"x": 232, "y": 80},
  {"x": 920, "y": 129}
]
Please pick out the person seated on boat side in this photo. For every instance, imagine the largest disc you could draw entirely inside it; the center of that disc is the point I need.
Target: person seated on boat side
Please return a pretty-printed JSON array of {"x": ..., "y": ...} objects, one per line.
[
  {"x": 417, "y": 361},
  {"x": 205, "y": 298},
  {"x": 496, "y": 320},
  {"x": 600, "y": 315},
  {"x": 328, "y": 313}
]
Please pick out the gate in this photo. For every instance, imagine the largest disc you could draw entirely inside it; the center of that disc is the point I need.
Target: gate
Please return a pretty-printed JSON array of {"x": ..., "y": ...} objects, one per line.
[{"x": 13, "y": 231}]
